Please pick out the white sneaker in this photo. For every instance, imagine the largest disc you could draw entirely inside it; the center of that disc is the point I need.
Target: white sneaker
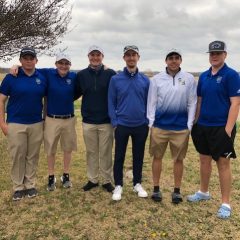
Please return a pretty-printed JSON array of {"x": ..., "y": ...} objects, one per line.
[
  {"x": 117, "y": 193},
  {"x": 140, "y": 191}
]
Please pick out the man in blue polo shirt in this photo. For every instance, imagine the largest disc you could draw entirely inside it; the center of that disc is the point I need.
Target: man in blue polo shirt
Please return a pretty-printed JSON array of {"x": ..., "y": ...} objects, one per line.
[
  {"x": 127, "y": 103},
  {"x": 24, "y": 125},
  {"x": 213, "y": 136}
]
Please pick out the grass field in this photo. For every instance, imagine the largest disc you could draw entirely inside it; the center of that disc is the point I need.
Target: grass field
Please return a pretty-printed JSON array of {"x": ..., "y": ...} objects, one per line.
[{"x": 75, "y": 214}]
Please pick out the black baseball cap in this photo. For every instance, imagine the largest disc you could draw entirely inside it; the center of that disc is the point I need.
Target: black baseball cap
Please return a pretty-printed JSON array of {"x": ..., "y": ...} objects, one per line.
[
  {"x": 28, "y": 51},
  {"x": 217, "y": 46}
]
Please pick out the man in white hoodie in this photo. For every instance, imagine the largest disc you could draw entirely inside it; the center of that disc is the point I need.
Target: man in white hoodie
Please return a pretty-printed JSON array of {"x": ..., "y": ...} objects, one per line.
[{"x": 171, "y": 110}]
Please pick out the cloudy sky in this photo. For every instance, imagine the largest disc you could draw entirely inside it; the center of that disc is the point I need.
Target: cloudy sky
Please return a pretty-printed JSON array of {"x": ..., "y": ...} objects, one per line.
[{"x": 154, "y": 26}]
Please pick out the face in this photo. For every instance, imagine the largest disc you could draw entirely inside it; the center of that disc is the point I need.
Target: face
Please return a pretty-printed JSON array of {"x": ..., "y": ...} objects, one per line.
[
  {"x": 95, "y": 58},
  {"x": 173, "y": 62},
  {"x": 217, "y": 59},
  {"x": 131, "y": 58},
  {"x": 63, "y": 67},
  {"x": 28, "y": 62}
]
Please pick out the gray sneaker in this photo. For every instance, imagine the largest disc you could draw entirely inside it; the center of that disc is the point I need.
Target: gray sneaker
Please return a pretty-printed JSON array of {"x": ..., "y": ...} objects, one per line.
[
  {"x": 32, "y": 192},
  {"x": 51, "y": 185},
  {"x": 157, "y": 196},
  {"x": 176, "y": 198},
  {"x": 66, "y": 183},
  {"x": 18, "y": 195}
]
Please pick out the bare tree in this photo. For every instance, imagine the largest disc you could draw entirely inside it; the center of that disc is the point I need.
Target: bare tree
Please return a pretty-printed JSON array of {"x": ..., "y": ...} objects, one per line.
[{"x": 36, "y": 23}]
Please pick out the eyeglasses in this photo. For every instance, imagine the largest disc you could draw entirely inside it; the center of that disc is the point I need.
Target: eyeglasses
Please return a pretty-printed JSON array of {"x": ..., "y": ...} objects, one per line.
[{"x": 64, "y": 63}]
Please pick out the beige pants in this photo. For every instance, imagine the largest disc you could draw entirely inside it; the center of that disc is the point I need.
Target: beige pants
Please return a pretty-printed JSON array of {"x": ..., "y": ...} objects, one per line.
[
  {"x": 98, "y": 139},
  {"x": 24, "y": 141},
  {"x": 63, "y": 129}
]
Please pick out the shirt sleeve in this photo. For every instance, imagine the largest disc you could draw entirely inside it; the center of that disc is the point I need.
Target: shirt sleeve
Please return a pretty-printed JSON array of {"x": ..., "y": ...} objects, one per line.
[
  {"x": 112, "y": 102},
  {"x": 192, "y": 103},
  {"x": 151, "y": 102},
  {"x": 5, "y": 87},
  {"x": 233, "y": 84}
]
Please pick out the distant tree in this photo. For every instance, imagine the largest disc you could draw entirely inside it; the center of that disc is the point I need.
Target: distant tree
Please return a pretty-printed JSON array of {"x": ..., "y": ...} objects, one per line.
[{"x": 36, "y": 23}]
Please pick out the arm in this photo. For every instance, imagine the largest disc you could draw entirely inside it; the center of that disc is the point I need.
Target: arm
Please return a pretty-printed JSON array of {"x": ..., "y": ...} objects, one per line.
[
  {"x": 3, "y": 124},
  {"x": 199, "y": 101},
  {"x": 192, "y": 104},
  {"x": 151, "y": 102},
  {"x": 112, "y": 103},
  {"x": 232, "y": 114}
]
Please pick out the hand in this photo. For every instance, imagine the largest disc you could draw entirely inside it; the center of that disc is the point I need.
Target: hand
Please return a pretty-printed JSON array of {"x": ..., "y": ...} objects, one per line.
[
  {"x": 14, "y": 70},
  {"x": 228, "y": 131},
  {"x": 4, "y": 128}
]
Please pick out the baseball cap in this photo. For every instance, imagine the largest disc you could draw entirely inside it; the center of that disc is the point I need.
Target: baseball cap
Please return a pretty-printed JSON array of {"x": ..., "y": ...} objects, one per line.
[
  {"x": 217, "y": 46},
  {"x": 130, "y": 47},
  {"x": 28, "y": 51},
  {"x": 173, "y": 51},
  {"x": 95, "y": 48},
  {"x": 61, "y": 56}
]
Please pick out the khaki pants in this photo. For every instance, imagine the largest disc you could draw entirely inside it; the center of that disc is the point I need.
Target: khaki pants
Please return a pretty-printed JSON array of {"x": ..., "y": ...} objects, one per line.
[
  {"x": 98, "y": 139},
  {"x": 24, "y": 142}
]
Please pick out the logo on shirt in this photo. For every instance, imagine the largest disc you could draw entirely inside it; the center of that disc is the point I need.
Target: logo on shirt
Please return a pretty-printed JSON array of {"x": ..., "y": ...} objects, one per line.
[
  {"x": 238, "y": 91},
  {"x": 69, "y": 81},
  {"x": 181, "y": 81},
  {"x": 219, "y": 79},
  {"x": 38, "y": 81}
]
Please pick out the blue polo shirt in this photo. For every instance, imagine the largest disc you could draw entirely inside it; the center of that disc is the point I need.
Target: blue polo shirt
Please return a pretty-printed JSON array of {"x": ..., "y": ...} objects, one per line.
[
  {"x": 25, "y": 97},
  {"x": 216, "y": 91},
  {"x": 60, "y": 92}
]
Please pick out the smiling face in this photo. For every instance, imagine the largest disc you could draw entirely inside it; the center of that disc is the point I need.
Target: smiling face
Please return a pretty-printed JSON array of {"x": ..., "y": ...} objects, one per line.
[
  {"x": 173, "y": 62},
  {"x": 217, "y": 59},
  {"x": 95, "y": 58},
  {"x": 63, "y": 67},
  {"x": 28, "y": 62},
  {"x": 131, "y": 58}
]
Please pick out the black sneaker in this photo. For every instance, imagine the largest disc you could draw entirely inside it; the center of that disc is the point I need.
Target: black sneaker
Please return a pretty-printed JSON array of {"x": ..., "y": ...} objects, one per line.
[
  {"x": 157, "y": 196},
  {"x": 32, "y": 192},
  {"x": 18, "y": 195},
  {"x": 66, "y": 183},
  {"x": 51, "y": 183},
  {"x": 89, "y": 186},
  {"x": 176, "y": 198},
  {"x": 108, "y": 186}
]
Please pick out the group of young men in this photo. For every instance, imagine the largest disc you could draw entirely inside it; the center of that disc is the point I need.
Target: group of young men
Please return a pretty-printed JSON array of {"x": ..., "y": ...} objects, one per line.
[{"x": 120, "y": 106}]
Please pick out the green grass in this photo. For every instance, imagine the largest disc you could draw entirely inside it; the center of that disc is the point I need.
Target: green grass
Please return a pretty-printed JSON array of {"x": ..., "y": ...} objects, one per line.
[{"x": 75, "y": 214}]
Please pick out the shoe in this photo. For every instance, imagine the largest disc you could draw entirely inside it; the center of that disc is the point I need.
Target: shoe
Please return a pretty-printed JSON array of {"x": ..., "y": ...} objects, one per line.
[
  {"x": 198, "y": 196},
  {"x": 224, "y": 212},
  {"x": 117, "y": 193},
  {"x": 157, "y": 196},
  {"x": 66, "y": 183},
  {"x": 18, "y": 195},
  {"x": 176, "y": 198},
  {"x": 32, "y": 192},
  {"x": 108, "y": 186},
  {"x": 89, "y": 186},
  {"x": 140, "y": 191},
  {"x": 51, "y": 184}
]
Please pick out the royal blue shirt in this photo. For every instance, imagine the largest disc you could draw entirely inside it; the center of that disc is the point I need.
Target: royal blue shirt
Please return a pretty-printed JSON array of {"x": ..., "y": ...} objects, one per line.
[
  {"x": 25, "y": 97},
  {"x": 216, "y": 91},
  {"x": 127, "y": 99},
  {"x": 60, "y": 92}
]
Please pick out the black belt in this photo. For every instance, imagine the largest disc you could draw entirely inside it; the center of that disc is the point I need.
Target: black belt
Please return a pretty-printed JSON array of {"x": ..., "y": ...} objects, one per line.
[{"x": 61, "y": 116}]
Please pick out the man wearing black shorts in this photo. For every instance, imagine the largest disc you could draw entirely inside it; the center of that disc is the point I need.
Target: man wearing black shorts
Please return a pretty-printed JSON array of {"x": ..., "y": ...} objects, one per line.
[{"x": 214, "y": 132}]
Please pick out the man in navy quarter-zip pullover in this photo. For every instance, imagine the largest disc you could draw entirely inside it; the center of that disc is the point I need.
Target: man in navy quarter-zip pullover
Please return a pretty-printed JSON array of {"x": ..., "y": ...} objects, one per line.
[
  {"x": 127, "y": 102},
  {"x": 92, "y": 84}
]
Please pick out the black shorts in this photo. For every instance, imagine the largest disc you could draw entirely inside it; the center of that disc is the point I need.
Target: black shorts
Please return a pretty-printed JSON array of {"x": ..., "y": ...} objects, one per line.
[{"x": 213, "y": 141}]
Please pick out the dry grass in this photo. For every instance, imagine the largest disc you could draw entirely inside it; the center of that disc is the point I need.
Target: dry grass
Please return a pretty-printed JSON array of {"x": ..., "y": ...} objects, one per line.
[{"x": 75, "y": 214}]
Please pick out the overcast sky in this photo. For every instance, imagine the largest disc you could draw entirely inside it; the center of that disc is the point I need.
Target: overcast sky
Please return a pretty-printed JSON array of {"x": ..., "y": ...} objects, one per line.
[{"x": 154, "y": 26}]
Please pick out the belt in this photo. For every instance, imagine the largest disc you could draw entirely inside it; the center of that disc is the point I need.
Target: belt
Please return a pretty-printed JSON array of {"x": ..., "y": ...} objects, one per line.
[{"x": 61, "y": 116}]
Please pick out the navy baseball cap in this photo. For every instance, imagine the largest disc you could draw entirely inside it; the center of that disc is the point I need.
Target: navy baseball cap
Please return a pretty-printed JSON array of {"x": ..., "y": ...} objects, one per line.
[
  {"x": 217, "y": 46},
  {"x": 28, "y": 51}
]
